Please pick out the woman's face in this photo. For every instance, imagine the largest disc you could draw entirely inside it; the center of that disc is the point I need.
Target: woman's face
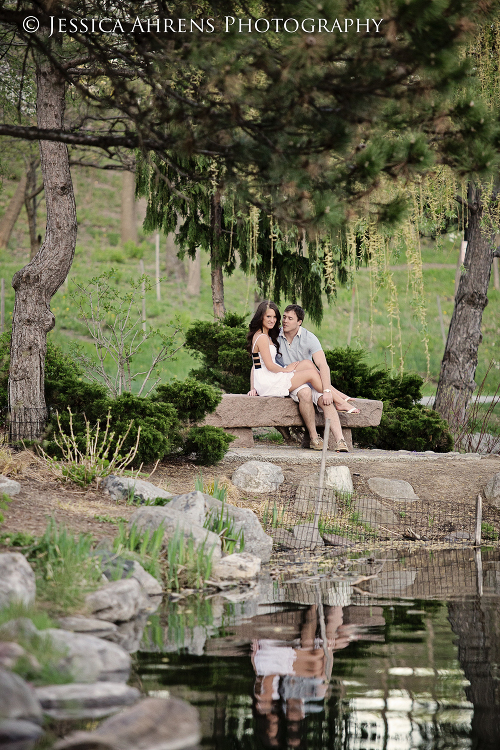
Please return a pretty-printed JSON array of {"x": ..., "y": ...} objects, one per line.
[{"x": 269, "y": 319}]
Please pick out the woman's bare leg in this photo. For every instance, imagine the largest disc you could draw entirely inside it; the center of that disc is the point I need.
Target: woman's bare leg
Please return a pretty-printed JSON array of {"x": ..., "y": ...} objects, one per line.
[{"x": 310, "y": 375}]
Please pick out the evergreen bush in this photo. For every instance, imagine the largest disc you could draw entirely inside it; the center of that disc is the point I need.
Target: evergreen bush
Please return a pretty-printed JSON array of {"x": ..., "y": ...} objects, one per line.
[
  {"x": 209, "y": 443},
  {"x": 414, "y": 429},
  {"x": 192, "y": 398}
]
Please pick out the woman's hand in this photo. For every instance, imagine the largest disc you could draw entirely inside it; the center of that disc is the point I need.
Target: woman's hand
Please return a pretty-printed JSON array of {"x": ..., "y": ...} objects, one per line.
[
  {"x": 253, "y": 392},
  {"x": 291, "y": 367}
]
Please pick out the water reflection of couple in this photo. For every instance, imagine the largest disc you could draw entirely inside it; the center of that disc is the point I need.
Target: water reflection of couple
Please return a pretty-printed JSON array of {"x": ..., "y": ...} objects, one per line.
[
  {"x": 285, "y": 362},
  {"x": 291, "y": 682}
]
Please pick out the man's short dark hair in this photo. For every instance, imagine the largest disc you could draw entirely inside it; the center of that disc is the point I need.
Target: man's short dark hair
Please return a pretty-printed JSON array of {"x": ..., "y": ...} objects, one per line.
[{"x": 298, "y": 310}]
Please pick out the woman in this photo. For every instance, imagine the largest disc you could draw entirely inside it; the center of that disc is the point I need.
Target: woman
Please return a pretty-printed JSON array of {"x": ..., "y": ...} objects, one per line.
[{"x": 268, "y": 378}]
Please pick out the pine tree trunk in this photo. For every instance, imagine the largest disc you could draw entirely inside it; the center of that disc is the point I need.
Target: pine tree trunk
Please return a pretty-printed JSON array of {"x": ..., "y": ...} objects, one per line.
[
  {"x": 215, "y": 262},
  {"x": 30, "y": 204},
  {"x": 128, "y": 213},
  {"x": 194, "y": 275},
  {"x": 37, "y": 282},
  {"x": 174, "y": 266},
  {"x": 12, "y": 211},
  {"x": 458, "y": 367}
]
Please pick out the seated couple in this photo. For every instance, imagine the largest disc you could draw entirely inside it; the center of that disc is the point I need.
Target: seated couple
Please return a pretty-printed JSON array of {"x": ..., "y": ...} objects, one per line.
[{"x": 284, "y": 364}]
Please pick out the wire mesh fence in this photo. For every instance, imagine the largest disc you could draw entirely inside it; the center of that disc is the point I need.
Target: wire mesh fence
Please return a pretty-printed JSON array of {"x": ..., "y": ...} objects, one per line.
[
  {"x": 308, "y": 517},
  {"x": 22, "y": 423}
]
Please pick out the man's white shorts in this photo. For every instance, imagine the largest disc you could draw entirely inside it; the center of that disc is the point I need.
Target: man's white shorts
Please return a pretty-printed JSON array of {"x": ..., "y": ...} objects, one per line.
[{"x": 315, "y": 394}]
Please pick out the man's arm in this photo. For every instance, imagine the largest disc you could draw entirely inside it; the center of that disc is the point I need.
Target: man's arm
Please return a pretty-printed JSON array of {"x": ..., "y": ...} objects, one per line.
[{"x": 319, "y": 360}]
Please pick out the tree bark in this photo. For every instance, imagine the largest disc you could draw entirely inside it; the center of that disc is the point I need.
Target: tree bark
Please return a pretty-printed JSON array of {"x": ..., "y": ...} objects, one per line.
[
  {"x": 12, "y": 211},
  {"x": 215, "y": 262},
  {"x": 30, "y": 204},
  {"x": 194, "y": 275},
  {"x": 458, "y": 367},
  {"x": 37, "y": 282},
  {"x": 174, "y": 266},
  {"x": 129, "y": 215}
]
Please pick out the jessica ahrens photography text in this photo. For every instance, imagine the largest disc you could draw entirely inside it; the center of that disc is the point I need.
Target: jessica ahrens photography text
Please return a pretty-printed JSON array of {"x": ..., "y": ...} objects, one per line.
[{"x": 67, "y": 25}]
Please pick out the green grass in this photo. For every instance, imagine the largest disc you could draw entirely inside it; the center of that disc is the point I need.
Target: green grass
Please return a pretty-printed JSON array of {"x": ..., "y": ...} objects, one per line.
[
  {"x": 98, "y": 248},
  {"x": 144, "y": 546}
]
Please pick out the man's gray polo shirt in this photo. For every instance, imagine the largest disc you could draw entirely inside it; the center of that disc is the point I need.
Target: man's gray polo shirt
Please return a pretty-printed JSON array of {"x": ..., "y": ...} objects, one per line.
[{"x": 303, "y": 346}]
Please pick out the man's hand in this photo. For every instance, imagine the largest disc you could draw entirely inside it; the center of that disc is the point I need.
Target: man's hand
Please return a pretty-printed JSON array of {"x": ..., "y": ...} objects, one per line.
[{"x": 253, "y": 392}]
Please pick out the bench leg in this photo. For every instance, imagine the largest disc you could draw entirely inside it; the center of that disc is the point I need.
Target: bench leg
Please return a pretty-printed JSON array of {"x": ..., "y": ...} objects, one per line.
[
  {"x": 347, "y": 437},
  {"x": 243, "y": 435}
]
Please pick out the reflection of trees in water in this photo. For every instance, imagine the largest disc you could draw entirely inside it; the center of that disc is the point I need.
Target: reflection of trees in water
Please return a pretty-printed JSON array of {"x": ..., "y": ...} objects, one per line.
[{"x": 476, "y": 622}]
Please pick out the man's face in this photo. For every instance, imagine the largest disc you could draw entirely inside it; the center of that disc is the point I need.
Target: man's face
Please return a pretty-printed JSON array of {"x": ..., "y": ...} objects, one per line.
[{"x": 291, "y": 323}]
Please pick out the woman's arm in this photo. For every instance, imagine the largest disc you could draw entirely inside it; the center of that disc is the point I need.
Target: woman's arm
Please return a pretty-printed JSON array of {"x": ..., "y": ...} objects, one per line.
[{"x": 252, "y": 391}]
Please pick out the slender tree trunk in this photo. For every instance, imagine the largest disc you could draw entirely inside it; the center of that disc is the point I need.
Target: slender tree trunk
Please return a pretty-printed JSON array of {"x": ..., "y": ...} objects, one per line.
[
  {"x": 12, "y": 211},
  {"x": 173, "y": 264},
  {"x": 129, "y": 215},
  {"x": 37, "y": 282},
  {"x": 30, "y": 204},
  {"x": 194, "y": 275},
  {"x": 458, "y": 367},
  {"x": 215, "y": 261}
]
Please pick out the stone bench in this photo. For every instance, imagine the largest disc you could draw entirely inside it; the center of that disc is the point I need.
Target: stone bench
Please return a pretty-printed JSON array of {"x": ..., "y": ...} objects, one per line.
[{"x": 237, "y": 414}]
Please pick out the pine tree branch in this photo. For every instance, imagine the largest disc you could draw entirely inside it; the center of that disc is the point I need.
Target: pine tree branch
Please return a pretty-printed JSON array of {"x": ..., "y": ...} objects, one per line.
[{"x": 472, "y": 207}]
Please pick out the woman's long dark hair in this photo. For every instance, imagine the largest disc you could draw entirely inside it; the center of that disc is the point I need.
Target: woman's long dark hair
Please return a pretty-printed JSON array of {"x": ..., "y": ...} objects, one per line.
[{"x": 256, "y": 324}]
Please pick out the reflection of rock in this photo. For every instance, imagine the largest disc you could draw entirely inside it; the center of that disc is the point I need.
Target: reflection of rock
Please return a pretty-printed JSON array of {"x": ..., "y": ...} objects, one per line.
[
  {"x": 89, "y": 659},
  {"x": 392, "y": 489},
  {"x": 394, "y": 582},
  {"x": 258, "y": 476},
  {"x": 88, "y": 625},
  {"x": 86, "y": 701},
  {"x": 128, "y": 635},
  {"x": 17, "y": 580},
  {"x": 257, "y": 542},
  {"x": 118, "y": 601},
  {"x": 330, "y": 593},
  {"x": 154, "y": 723}
]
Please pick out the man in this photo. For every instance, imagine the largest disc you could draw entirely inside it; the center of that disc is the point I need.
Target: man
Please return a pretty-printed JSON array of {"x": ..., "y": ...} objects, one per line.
[{"x": 297, "y": 343}]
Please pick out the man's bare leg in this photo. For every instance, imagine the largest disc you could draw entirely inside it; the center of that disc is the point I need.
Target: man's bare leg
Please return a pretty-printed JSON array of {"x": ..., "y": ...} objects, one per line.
[{"x": 306, "y": 408}]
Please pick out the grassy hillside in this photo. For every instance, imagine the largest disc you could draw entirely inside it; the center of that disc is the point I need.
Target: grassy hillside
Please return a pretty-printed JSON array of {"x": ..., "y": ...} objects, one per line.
[{"x": 98, "y": 204}]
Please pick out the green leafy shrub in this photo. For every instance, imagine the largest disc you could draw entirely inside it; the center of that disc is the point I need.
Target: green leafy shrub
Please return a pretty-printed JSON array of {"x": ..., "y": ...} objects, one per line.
[
  {"x": 221, "y": 347},
  {"x": 192, "y": 398},
  {"x": 4, "y": 504},
  {"x": 414, "y": 429},
  {"x": 209, "y": 443}
]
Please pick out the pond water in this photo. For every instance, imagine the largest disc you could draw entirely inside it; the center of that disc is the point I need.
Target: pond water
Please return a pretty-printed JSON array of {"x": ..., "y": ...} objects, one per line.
[{"x": 407, "y": 659}]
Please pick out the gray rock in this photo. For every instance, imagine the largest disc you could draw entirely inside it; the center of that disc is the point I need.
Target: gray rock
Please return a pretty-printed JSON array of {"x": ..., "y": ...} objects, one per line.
[
  {"x": 118, "y": 601},
  {"x": 88, "y": 625},
  {"x": 335, "y": 540},
  {"x": 283, "y": 538},
  {"x": 21, "y": 626},
  {"x": 337, "y": 481},
  {"x": 257, "y": 542},
  {"x": 392, "y": 489},
  {"x": 10, "y": 652},
  {"x": 129, "y": 634},
  {"x": 17, "y": 580},
  {"x": 258, "y": 476},
  {"x": 150, "y": 518},
  {"x": 192, "y": 505},
  {"x": 18, "y": 734},
  {"x": 459, "y": 536},
  {"x": 18, "y": 699},
  {"x": 492, "y": 490},
  {"x": 151, "y": 586},
  {"x": 372, "y": 512},
  {"x": 123, "y": 488},
  {"x": 85, "y": 701},
  {"x": 307, "y": 536},
  {"x": 89, "y": 659},
  {"x": 154, "y": 723},
  {"x": 9, "y": 486},
  {"x": 240, "y": 566}
]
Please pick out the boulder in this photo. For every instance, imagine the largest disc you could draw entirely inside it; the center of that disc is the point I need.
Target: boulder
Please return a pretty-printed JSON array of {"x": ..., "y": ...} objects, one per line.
[
  {"x": 118, "y": 601},
  {"x": 283, "y": 538},
  {"x": 307, "y": 536},
  {"x": 257, "y": 542},
  {"x": 18, "y": 699},
  {"x": 154, "y": 723},
  {"x": 150, "y": 518},
  {"x": 334, "y": 540},
  {"x": 151, "y": 586},
  {"x": 372, "y": 512},
  {"x": 88, "y": 625},
  {"x": 21, "y": 626},
  {"x": 17, "y": 580},
  {"x": 241, "y": 566},
  {"x": 10, "y": 652},
  {"x": 124, "y": 488},
  {"x": 191, "y": 505},
  {"x": 9, "y": 486},
  {"x": 492, "y": 490},
  {"x": 85, "y": 701},
  {"x": 258, "y": 476},
  {"x": 18, "y": 734},
  {"x": 337, "y": 481},
  {"x": 89, "y": 659},
  {"x": 392, "y": 489}
]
